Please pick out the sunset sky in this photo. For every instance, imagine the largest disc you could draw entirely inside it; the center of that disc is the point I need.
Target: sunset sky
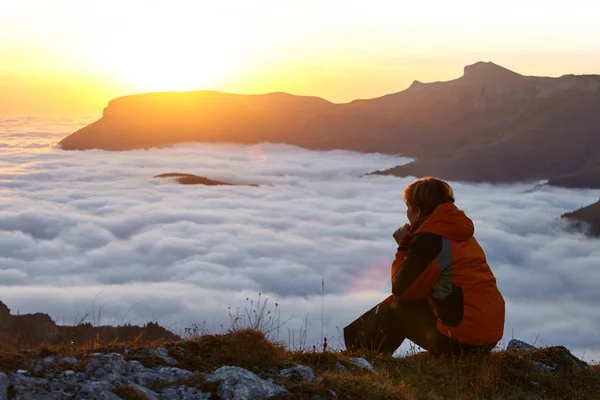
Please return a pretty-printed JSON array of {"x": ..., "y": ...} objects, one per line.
[{"x": 70, "y": 57}]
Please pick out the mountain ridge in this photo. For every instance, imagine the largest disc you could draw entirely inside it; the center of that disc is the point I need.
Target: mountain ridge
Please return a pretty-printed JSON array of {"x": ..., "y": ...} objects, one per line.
[{"x": 491, "y": 124}]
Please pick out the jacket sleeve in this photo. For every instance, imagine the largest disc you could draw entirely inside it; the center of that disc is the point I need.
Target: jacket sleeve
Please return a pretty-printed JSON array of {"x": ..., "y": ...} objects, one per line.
[
  {"x": 397, "y": 263},
  {"x": 416, "y": 273}
]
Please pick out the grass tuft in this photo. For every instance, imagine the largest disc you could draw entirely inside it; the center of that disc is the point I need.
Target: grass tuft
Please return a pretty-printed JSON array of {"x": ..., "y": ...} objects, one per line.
[{"x": 243, "y": 348}]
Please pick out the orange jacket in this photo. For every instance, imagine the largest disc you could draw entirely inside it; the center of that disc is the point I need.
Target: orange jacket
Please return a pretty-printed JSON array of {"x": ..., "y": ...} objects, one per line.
[{"x": 441, "y": 261}]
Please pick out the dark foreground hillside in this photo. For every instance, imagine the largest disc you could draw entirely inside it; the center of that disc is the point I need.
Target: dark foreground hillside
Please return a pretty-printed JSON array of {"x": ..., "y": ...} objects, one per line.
[{"x": 242, "y": 364}]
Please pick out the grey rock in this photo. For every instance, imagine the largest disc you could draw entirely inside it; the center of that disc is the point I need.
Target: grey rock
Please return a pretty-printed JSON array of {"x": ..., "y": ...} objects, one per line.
[
  {"x": 3, "y": 387},
  {"x": 115, "y": 364},
  {"x": 163, "y": 354},
  {"x": 94, "y": 389},
  {"x": 339, "y": 366},
  {"x": 361, "y": 362},
  {"x": 542, "y": 367},
  {"x": 55, "y": 395},
  {"x": 32, "y": 396},
  {"x": 70, "y": 360},
  {"x": 519, "y": 345},
  {"x": 183, "y": 393},
  {"x": 333, "y": 393},
  {"x": 135, "y": 366},
  {"x": 50, "y": 374},
  {"x": 148, "y": 376},
  {"x": 108, "y": 396},
  {"x": 305, "y": 372},
  {"x": 92, "y": 365},
  {"x": 24, "y": 380},
  {"x": 58, "y": 385},
  {"x": 112, "y": 357},
  {"x": 115, "y": 379},
  {"x": 26, "y": 386},
  {"x": 149, "y": 393},
  {"x": 564, "y": 359},
  {"x": 240, "y": 384},
  {"x": 100, "y": 373},
  {"x": 145, "y": 377},
  {"x": 46, "y": 362},
  {"x": 175, "y": 373}
]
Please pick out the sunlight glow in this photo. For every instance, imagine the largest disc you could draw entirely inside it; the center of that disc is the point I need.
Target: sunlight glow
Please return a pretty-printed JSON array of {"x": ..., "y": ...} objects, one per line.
[
  {"x": 154, "y": 53},
  {"x": 170, "y": 66},
  {"x": 74, "y": 56}
]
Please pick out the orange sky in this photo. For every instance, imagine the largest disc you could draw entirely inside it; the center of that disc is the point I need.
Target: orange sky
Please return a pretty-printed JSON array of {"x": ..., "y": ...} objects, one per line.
[{"x": 69, "y": 57}]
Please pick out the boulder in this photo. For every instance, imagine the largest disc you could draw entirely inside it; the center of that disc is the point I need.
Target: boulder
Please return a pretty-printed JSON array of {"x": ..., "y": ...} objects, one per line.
[
  {"x": 163, "y": 354},
  {"x": 306, "y": 373},
  {"x": 361, "y": 362},
  {"x": 519, "y": 345},
  {"x": 3, "y": 387},
  {"x": 239, "y": 384}
]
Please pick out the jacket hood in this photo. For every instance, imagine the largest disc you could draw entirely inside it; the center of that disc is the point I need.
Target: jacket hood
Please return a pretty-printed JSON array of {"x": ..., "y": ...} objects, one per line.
[{"x": 449, "y": 222}]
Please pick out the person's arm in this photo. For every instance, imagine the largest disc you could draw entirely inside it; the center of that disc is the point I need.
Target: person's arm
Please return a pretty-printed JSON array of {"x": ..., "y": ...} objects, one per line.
[
  {"x": 416, "y": 275},
  {"x": 397, "y": 263},
  {"x": 402, "y": 237}
]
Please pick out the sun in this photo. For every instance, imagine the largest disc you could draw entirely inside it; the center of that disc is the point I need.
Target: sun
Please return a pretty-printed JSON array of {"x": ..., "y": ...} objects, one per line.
[
  {"x": 174, "y": 66},
  {"x": 162, "y": 54}
]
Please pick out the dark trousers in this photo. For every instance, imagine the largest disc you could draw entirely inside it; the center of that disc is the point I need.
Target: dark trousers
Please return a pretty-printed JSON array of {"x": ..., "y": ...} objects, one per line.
[{"x": 384, "y": 327}]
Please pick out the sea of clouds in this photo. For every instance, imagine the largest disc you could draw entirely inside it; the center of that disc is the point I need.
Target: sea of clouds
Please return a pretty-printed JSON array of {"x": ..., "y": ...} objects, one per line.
[{"x": 92, "y": 233}]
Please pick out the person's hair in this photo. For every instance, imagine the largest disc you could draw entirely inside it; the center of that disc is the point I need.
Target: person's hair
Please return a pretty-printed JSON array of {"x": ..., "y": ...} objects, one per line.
[{"x": 427, "y": 193}]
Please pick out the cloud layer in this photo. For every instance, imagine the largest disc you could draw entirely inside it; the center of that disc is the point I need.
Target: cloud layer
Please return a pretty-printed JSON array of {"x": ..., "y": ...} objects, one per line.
[{"x": 80, "y": 231}]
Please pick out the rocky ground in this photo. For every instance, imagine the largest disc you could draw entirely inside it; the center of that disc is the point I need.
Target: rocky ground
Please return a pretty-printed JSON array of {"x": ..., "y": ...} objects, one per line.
[{"x": 244, "y": 365}]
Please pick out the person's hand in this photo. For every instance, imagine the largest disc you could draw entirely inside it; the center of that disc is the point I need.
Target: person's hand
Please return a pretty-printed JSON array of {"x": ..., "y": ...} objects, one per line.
[{"x": 400, "y": 233}]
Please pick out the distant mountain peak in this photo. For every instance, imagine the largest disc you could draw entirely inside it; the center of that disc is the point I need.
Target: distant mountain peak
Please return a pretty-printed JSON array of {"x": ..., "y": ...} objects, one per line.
[
  {"x": 488, "y": 71},
  {"x": 416, "y": 84}
]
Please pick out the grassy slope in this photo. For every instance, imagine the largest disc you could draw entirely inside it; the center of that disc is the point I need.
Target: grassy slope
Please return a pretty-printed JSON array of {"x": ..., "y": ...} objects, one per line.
[{"x": 502, "y": 375}]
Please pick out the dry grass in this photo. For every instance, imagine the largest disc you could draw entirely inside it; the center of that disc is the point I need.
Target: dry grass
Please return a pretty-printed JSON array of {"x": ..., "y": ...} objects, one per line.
[
  {"x": 11, "y": 361},
  {"x": 244, "y": 348},
  {"x": 499, "y": 375}
]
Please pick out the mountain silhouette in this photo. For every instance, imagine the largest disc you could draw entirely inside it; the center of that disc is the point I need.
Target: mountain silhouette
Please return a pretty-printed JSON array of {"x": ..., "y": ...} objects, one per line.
[
  {"x": 491, "y": 125},
  {"x": 589, "y": 215}
]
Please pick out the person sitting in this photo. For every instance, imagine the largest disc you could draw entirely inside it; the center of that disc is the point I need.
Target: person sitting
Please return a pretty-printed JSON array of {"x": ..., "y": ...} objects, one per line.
[{"x": 444, "y": 294}]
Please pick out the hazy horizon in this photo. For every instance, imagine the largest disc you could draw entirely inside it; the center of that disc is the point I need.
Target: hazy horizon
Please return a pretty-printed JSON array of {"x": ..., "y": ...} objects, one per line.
[{"x": 68, "y": 58}]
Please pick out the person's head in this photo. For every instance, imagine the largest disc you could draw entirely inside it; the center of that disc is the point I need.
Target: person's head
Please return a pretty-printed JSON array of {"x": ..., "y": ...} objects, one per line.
[{"x": 424, "y": 195}]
